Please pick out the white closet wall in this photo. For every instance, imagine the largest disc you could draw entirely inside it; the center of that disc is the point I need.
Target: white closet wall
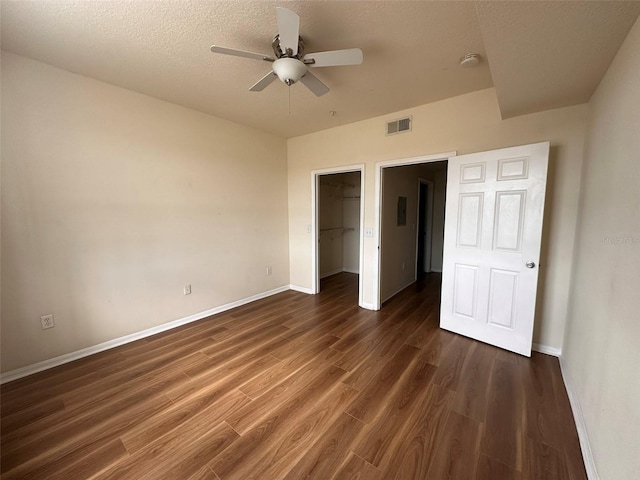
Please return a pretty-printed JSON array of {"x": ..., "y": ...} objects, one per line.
[{"x": 351, "y": 223}]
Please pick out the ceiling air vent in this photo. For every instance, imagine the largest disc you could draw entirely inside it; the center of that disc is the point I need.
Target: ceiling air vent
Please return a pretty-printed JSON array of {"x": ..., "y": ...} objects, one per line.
[{"x": 399, "y": 126}]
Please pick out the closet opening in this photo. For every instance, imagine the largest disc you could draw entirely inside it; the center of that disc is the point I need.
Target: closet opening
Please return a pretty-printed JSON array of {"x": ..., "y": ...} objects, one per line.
[{"x": 338, "y": 227}]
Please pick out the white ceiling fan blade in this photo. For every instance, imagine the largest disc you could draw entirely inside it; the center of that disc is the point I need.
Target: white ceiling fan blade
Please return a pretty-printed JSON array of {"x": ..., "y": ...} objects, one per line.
[
  {"x": 314, "y": 84},
  {"x": 240, "y": 53},
  {"x": 264, "y": 82},
  {"x": 288, "y": 29},
  {"x": 334, "y": 58}
]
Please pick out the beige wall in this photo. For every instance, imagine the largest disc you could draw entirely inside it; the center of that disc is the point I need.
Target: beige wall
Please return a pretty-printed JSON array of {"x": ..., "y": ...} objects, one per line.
[
  {"x": 439, "y": 178},
  {"x": 112, "y": 201},
  {"x": 398, "y": 243},
  {"x": 468, "y": 123},
  {"x": 602, "y": 344},
  {"x": 436, "y": 172},
  {"x": 398, "y": 246}
]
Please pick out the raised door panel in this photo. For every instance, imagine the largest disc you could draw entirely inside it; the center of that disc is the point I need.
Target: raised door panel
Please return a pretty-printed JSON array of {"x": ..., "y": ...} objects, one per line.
[
  {"x": 473, "y": 173},
  {"x": 513, "y": 168},
  {"x": 470, "y": 211},
  {"x": 503, "y": 292},
  {"x": 509, "y": 220},
  {"x": 465, "y": 290}
]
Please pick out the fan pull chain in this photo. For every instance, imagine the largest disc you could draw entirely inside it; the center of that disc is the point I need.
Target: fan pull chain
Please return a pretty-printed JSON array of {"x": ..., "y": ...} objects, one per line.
[{"x": 289, "y": 99}]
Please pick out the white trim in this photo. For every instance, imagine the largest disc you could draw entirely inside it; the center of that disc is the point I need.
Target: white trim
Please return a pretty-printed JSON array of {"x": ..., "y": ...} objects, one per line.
[
  {"x": 581, "y": 426},
  {"x": 116, "y": 342},
  {"x": 546, "y": 349},
  {"x": 436, "y": 270},
  {"x": 378, "y": 207},
  {"x": 361, "y": 253},
  {"x": 297, "y": 288},
  {"x": 332, "y": 272},
  {"x": 368, "y": 306},
  {"x": 393, "y": 294},
  {"x": 416, "y": 160},
  {"x": 315, "y": 271},
  {"x": 315, "y": 249},
  {"x": 351, "y": 270}
]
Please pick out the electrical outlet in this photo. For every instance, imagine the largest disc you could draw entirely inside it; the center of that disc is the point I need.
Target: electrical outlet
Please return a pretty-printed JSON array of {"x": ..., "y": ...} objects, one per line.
[
  {"x": 187, "y": 289},
  {"x": 268, "y": 270},
  {"x": 308, "y": 228},
  {"x": 368, "y": 232},
  {"x": 47, "y": 321}
]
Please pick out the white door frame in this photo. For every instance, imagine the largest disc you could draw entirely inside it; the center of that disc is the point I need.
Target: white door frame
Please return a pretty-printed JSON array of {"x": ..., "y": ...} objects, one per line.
[
  {"x": 437, "y": 157},
  {"x": 428, "y": 227},
  {"x": 315, "y": 178}
]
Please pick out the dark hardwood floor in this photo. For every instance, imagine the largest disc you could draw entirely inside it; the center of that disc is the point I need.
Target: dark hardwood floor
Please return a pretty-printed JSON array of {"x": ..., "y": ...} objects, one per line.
[{"x": 296, "y": 386}]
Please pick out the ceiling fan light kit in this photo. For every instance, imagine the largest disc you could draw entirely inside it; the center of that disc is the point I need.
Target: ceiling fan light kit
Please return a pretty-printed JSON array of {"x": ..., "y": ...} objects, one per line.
[
  {"x": 291, "y": 64},
  {"x": 289, "y": 70}
]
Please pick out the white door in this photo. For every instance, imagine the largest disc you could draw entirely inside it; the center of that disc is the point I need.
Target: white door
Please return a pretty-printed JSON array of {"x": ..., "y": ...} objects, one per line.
[{"x": 495, "y": 203}]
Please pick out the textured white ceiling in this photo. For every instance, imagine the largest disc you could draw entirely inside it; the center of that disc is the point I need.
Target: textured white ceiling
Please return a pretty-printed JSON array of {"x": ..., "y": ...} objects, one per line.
[
  {"x": 551, "y": 54},
  {"x": 411, "y": 53}
]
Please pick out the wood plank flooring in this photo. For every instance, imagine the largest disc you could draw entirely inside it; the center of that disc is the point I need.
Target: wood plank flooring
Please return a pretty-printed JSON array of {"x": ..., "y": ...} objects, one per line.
[{"x": 296, "y": 386}]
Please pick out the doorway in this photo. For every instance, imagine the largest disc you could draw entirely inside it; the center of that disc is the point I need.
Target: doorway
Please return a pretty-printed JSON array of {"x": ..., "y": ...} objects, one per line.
[
  {"x": 491, "y": 252},
  {"x": 410, "y": 243},
  {"x": 337, "y": 228},
  {"x": 425, "y": 228}
]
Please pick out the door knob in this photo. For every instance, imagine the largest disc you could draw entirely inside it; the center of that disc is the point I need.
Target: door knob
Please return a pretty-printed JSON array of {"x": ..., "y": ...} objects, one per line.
[{"x": 530, "y": 264}]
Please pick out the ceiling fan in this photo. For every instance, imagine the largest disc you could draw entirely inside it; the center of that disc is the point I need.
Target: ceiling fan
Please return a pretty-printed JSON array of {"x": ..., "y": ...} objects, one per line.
[{"x": 291, "y": 63}]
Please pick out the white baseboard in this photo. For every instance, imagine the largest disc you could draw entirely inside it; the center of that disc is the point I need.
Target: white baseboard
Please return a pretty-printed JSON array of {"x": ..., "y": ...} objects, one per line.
[
  {"x": 85, "y": 352},
  {"x": 339, "y": 270},
  {"x": 331, "y": 272},
  {"x": 553, "y": 351},
  {"x": 393, "y": 294},
  {"x": 297, "y": 288},
  {"x": 581, "y": 426}
]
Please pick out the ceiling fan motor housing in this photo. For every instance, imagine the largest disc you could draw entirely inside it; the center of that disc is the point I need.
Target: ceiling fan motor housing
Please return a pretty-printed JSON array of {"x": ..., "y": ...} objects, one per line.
[{"x": 280, "y": 52}]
